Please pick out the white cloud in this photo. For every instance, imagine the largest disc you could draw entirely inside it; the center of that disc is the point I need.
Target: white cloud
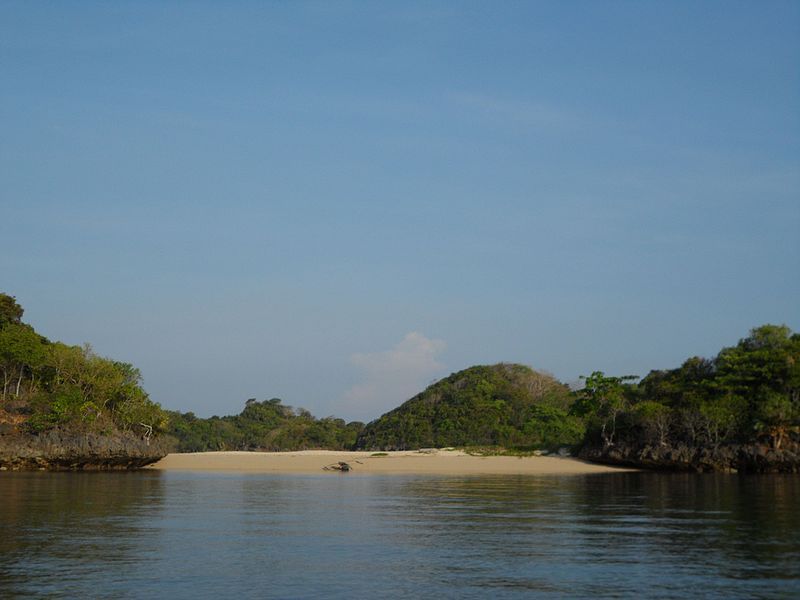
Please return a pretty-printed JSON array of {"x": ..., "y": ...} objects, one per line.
[{"x": 391, "y": 377}]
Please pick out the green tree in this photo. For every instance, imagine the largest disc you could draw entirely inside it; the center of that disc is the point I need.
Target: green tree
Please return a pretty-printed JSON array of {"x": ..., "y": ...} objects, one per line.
[
  {"x": 720, "y": 417},
  {"x": 762, "y": 372},
  {"x": 10, "y": 311},
  {"x": 654, "y": 419},
  {"x": 22, "y": 352},
  {"x": 774, "y": 415},
  {"x": 602, "y": 400}
]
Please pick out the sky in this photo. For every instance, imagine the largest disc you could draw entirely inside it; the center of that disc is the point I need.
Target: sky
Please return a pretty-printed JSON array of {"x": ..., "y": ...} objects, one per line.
[{"x": 338, "y": 203}]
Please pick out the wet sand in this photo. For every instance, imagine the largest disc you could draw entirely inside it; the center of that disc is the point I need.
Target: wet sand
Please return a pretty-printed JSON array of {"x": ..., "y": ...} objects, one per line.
[{"x": 435, "y": 462}]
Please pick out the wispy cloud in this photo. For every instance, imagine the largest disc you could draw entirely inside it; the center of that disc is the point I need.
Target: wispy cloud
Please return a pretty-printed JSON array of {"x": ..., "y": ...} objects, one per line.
[
  {"x": 537, "y": 115},
  {"x": 392, "y": 376}
]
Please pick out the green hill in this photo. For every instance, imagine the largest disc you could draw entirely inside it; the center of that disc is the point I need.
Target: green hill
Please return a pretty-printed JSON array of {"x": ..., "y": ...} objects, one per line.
[
  {"x": 65, "y": 407},
  {"x": 505, "y": 405}
]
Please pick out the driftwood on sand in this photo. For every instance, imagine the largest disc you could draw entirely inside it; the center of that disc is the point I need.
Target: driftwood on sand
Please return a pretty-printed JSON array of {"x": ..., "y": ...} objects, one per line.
[{"x": 338, "y": 466}]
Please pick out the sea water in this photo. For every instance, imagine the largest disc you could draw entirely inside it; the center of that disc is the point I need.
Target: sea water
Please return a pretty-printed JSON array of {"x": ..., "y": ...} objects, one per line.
[{"x": 157, "y": 534}]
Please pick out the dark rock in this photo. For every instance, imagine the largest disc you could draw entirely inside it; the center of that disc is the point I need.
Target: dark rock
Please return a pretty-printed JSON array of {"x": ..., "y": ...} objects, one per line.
[
  {"x": 58, "y": 450},
  {"x": 728, "y": 458}
]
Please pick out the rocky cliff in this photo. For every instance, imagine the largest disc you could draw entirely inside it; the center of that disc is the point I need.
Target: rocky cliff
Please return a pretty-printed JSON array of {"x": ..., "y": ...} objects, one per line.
[
  {"x": 727, "y": 458},
  {"x": 58, "y": 450}
]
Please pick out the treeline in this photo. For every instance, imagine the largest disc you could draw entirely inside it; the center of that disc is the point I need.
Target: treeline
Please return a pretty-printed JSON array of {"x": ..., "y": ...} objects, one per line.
[
  {"x": 505, "y": 405},
  {"x": 266, "y": 425},
  {"x": 48, "y": 385},
  {"x": 748, "y": 392}
]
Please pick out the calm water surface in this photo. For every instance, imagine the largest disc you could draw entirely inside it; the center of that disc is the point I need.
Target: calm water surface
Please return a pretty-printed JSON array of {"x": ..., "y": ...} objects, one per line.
[{"x": 188, "y": 535}]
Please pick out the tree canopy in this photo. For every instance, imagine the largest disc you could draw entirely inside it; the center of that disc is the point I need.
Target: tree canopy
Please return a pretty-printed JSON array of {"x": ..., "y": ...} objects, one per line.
[
  {"x": 749, "y": 391},
  {"x": 50, "y": 384},
  {"x": 10, "y": 311},
  {"x": 263, "y": 425},
  {"x": 507, "y": 405}
]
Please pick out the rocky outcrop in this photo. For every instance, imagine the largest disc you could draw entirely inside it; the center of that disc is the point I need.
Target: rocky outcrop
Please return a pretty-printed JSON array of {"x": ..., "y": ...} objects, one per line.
[
  {"x": 58, "y": 450},
  {"x": 728, "y": 458}
]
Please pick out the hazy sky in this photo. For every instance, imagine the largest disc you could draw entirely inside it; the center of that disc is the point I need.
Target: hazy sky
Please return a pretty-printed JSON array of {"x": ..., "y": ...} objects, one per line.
[{"x": 335, "y": 203}]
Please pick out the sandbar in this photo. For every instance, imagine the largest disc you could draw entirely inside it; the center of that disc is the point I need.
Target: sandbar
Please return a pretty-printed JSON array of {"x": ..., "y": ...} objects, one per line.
[{"x": 426, "y": 462}]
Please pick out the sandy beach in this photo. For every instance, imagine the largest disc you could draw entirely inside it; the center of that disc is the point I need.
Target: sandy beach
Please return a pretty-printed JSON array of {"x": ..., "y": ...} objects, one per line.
[{"x": 435, "y": 462}]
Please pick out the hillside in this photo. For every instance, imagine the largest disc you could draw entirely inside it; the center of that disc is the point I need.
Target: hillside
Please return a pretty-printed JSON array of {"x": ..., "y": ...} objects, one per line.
[
  {"x": 506, "y": 405},
  {"x": 65, "y": 407}
]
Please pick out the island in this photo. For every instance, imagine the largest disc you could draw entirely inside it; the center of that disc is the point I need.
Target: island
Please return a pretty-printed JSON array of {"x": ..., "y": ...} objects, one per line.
[{"x": 66, "y": 408}]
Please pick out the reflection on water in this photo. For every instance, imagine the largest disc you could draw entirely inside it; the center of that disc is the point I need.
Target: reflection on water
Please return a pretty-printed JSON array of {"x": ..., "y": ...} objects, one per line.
[
  {"x": 156, "y": 534},
  {"x": 60, "y": 530}
]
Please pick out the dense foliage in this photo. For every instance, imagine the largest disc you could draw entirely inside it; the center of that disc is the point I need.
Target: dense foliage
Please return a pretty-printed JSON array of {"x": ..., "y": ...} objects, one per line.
[
  {"x": 267, "y": 425},
  {"x": 505, "y": 405},
  {"x": 748, "y": 392},
  {"x": 49, "y": 384}
]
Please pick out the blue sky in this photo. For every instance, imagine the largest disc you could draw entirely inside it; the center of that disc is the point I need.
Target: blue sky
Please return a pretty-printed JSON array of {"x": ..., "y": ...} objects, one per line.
[{"x": 336, "y": 203}]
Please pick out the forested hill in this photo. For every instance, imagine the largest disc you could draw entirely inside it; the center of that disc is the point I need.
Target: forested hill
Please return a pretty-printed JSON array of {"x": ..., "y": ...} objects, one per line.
[
  {"x": 737, "y": 411},
  {"x": 505, "y": 405},
  {"x": 66, "y": 407},
  {"x": 49, "y": 384}
]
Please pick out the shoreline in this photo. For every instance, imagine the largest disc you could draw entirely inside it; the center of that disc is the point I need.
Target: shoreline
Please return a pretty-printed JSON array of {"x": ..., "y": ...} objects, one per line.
[{"x": 428, "y": 462}]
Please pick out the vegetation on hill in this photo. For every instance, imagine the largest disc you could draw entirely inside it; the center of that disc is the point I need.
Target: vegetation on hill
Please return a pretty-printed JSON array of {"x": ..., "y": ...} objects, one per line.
[
  {"x": 748, "y": 392},
  {"x": 49, "y": 385},
  {"x": 505, "y": 405},
  {"x": 745, "y": 400},
  {"x": 266, "y": 425}
]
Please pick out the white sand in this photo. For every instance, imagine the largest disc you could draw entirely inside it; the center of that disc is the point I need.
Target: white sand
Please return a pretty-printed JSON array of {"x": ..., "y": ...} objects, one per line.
[{"x": 436, "y": 462}]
